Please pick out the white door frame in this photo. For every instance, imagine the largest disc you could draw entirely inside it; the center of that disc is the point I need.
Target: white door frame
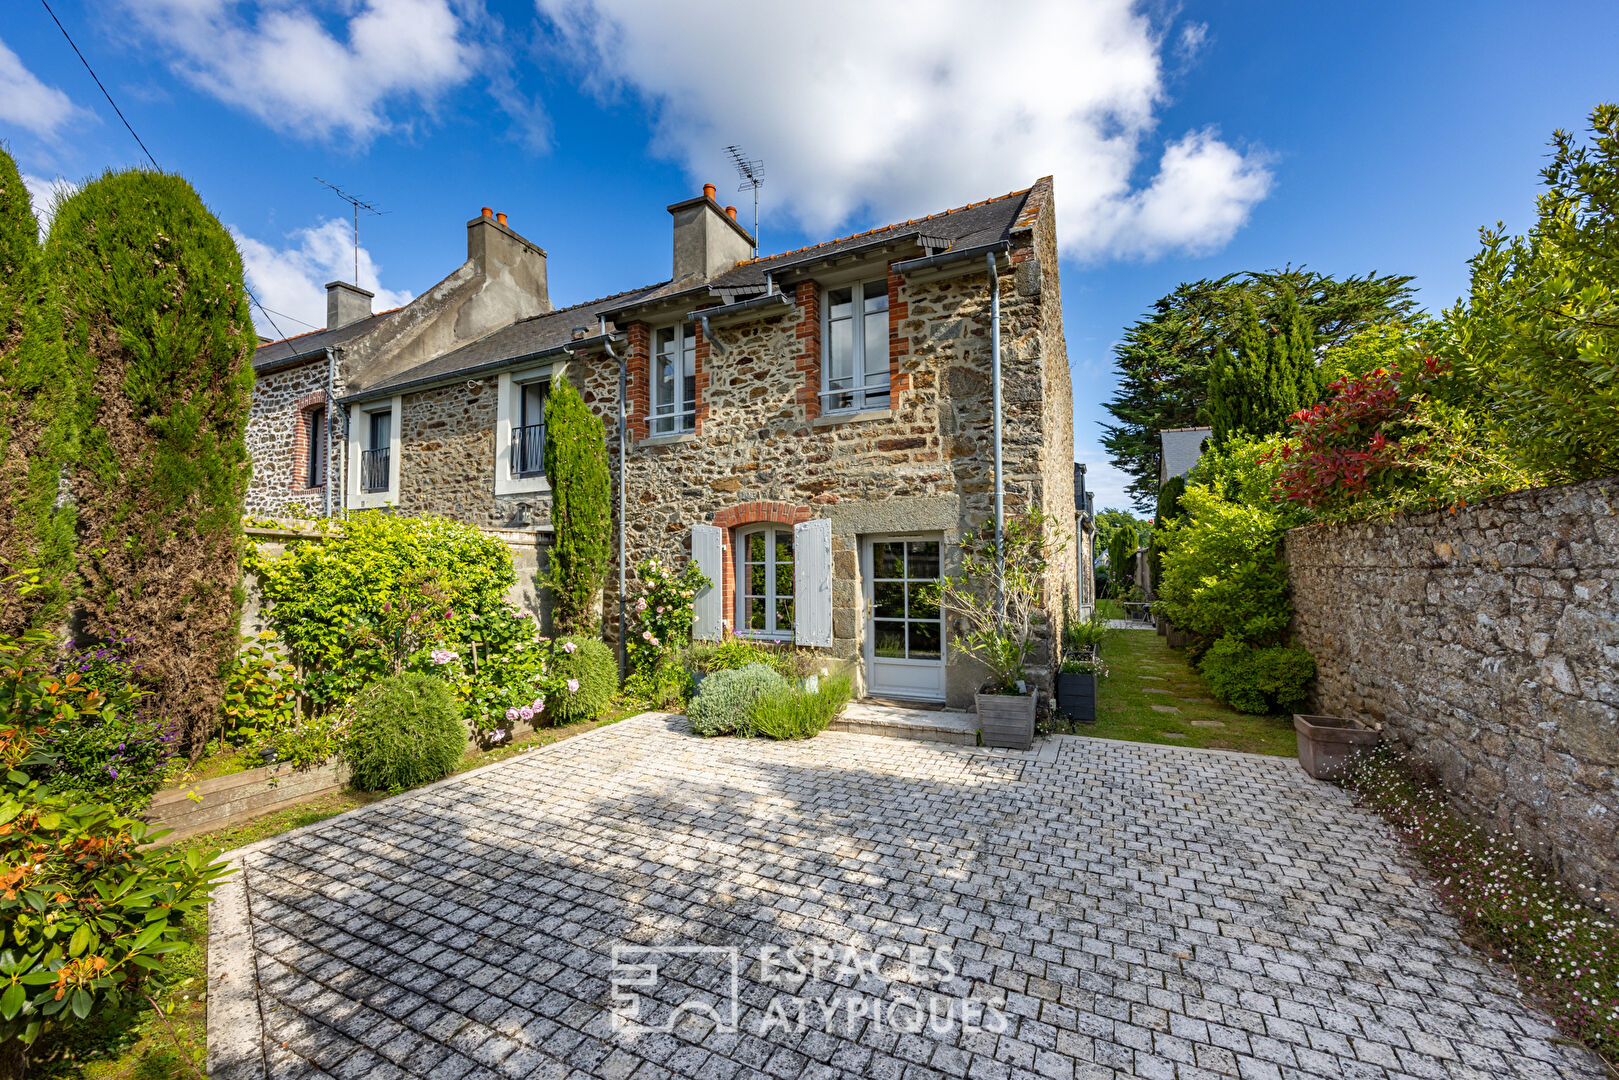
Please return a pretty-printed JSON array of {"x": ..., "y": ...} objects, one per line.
[{"x": 918, "y": 680}]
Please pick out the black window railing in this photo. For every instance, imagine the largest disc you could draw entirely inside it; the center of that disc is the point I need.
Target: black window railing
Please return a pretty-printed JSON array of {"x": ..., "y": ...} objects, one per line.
[
  {"x": 528, "y": 450},
  {"x": 374, "y": 472}
]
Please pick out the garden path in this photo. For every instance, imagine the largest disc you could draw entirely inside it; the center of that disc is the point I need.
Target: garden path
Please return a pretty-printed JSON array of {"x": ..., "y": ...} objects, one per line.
[{"x": 1103, "y": 908}]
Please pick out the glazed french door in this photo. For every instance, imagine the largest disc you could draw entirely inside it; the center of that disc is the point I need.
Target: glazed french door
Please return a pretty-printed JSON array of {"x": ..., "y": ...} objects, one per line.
[{"x": 905, "y": 639}]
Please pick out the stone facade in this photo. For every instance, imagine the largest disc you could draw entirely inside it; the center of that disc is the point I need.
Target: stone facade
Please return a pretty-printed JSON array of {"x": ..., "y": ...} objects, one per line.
[
  {"x": 278, "y": 433},
  {"x": 1487, "y": 641}
]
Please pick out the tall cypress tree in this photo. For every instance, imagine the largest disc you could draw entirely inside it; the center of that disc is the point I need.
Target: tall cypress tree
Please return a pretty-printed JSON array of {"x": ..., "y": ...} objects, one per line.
[
  {"x": 1273, "y": 376},
  {"x": 156, "y": 319},
  {"x": 40, "y": 406},
  {"x": 581, "y": 507}
]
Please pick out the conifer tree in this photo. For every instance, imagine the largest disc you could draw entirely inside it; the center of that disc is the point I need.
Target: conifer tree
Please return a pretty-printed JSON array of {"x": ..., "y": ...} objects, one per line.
[
  {"x": 581, "y": 508},
  {"x": 40, "y": 404},
  {"x": 156, "y": 321}
]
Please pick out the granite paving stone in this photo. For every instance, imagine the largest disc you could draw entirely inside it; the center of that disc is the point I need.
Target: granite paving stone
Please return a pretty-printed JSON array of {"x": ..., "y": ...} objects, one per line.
[{"x": 639, "y": 904}]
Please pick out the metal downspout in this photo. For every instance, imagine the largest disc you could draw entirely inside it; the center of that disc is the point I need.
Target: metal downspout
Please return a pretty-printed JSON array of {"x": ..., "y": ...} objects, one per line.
[
  {"x": 623, "y": 555},
  {"x": 331, "y": 394},
  {"x": 995, "y": 385}
]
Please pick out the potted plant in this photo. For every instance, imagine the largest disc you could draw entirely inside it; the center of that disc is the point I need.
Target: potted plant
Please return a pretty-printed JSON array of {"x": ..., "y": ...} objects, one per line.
[
  {"x": 997, "y": 596},
  {"x": 1076, "y": 686},
  {"x": 1327, "y": 744}
]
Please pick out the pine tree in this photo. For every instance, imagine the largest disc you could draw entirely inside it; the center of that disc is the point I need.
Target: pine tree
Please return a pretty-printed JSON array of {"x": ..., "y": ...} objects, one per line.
[
  {"x": 581, "y": 508},
  {"x": 40, "y": 417},
  {"x": 1273, "y": 376},
  {"x": 156, "y": 320}
]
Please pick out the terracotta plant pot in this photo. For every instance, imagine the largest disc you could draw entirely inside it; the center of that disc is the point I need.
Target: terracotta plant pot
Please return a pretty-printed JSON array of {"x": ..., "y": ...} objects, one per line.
[
  {"x": 1328, "y": 744},
  {"x": 1007, "y": 720},
  {"x": 1076, "y": 695}
]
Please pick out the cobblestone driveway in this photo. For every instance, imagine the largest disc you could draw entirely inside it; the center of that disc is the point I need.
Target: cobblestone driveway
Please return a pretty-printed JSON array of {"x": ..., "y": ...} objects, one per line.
[{"x": 1101, "y": 908}]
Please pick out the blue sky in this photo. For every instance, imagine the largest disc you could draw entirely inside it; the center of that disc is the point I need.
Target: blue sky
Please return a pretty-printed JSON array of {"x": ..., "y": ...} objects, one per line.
[{"x": 1186, "y": 140}]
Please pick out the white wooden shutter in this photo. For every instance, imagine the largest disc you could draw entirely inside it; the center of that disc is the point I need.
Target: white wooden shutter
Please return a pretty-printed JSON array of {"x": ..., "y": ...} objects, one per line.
[
  {"x": 708, "y": 612},
  {"x": 812, "y": 582}
]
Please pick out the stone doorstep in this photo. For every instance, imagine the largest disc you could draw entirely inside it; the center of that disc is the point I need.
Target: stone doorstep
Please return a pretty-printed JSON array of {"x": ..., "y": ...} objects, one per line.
[{"x": 931, "y": 725}]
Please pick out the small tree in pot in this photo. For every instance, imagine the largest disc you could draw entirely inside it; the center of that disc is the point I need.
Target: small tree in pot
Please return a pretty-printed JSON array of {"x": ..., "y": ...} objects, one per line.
[{"x": 997, "y": 595}]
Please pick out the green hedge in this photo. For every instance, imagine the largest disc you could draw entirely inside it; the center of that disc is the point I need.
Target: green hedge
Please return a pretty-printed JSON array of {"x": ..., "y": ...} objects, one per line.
[
  {"x": 1253, "y": 680},
  {"x": 157, "y": 323}
]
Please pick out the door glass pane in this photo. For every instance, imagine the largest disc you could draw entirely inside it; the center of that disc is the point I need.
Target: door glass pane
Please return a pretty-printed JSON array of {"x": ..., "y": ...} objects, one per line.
[
  {"x": 924, "y": 559},
  {"x": 924, "y": 640},
  {"x": 888, "y": 600},
  {"x": 888, "y": 559},
  {"x": 924, "y": 600},
  {"x": 784, "y": 614},
  {"x": 888, "y": 640}
]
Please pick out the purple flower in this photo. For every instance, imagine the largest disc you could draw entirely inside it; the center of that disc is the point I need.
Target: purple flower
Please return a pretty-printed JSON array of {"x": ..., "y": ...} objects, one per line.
[{"x": 443, "y": 656}]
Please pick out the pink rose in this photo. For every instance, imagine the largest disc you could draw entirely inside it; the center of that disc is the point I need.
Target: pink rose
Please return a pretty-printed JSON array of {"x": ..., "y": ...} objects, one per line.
[
  {"x": 539, "y": 706},
  {"x": 569, "y": 647},
  {"x": 647, "y": 634},
  {"x": 640, "y": 605},
  {"x": 511, "y": 714},
  {"x": 573, "y": 686},
  {"x": 526, "y": 713}
]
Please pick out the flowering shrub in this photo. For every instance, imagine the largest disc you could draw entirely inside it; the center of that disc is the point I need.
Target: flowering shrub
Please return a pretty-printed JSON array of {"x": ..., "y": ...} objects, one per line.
[
  {"x": 1565, "y": 953},
  {"x": 112, "y": 751},
  {"x": 588, "y": 676},
  {"x": 660, "y": 617},
  {"x": 90, "y": 912}
]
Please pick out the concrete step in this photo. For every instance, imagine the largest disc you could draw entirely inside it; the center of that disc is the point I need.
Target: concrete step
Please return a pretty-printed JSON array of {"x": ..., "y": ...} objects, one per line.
[{"x": 929, "y": 725}]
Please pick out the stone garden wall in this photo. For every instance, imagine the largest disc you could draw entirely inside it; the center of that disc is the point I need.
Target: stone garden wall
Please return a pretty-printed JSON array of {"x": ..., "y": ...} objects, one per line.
[{"x": 1487, "y": 641}]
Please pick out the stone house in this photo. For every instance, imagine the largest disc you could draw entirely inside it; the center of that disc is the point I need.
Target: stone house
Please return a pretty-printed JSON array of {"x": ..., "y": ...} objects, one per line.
[{"x": 814, "y": 428}]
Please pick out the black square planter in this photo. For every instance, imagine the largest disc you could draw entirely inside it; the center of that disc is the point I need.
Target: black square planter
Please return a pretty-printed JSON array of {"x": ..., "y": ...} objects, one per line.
[{"x": 1076, "y": 695}]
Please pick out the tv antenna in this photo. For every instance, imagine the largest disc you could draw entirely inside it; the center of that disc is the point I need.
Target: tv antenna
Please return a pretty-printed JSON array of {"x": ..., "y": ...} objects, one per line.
[
  {"x": 357, "y": 205},
  {"x": 752, "y": 172}
]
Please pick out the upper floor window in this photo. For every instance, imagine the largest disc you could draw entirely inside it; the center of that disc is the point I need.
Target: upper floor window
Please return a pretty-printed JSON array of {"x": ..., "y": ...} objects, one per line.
[
  {"x": 674, "y": 379},
  {"x": 375, "y": 468},
  {"x": 854, "y": 362},
  {"x": 315, "y": 434},
  {"x": 765, "y": 593},
  {"x": 528, "y": 433}
]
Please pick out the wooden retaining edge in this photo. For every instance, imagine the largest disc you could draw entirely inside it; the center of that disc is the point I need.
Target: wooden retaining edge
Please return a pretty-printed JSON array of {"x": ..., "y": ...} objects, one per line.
[{"x": 225, "y": 801}]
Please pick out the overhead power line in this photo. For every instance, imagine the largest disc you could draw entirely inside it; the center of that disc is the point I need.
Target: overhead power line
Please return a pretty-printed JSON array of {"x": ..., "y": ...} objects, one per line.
[{"x": 130, "y": 128}]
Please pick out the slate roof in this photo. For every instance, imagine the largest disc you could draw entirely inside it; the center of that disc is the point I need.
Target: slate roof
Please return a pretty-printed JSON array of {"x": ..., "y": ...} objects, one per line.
[
  {"x": 1179, "y": 450},
  {"x": 963, "y": 227},
  {"x": 314, "y": 341},
  {"x": 527, "y": 337}
]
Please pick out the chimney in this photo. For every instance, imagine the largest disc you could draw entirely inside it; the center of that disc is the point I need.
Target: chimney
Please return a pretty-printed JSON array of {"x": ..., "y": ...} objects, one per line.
[
  {"x": 708, "y": 239},
  {"x": 346, "y": 304},
  {"x": 498, "y": 252}
]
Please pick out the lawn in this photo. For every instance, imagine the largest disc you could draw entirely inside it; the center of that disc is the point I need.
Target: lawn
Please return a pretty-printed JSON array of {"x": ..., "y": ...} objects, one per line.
[
  {"x": 1143, "y": 672},
  {"x": 139, "y": 1045}
]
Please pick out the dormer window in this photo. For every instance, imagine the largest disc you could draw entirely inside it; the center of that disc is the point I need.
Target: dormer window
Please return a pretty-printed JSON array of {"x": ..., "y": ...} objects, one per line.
[
  {"x": 674, "y": 380},
  {"x": 854, "y": 361}
]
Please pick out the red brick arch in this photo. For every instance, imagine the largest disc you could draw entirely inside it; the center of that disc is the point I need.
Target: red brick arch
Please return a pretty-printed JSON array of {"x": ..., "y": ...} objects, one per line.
[{"x": 742, "y": 514}]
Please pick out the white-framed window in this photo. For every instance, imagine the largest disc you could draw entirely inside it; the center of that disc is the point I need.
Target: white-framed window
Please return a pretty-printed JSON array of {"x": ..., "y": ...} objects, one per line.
[
  {"x": 674, "y": 379},
  {"x": 764, "y": 581},
  {"x": 520, "y": 431},
  {"x": 854, "y": 347},
  {"x": 374, "y": 449}
]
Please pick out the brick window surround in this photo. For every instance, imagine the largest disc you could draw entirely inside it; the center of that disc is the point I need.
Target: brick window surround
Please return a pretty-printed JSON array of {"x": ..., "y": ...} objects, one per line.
[
  {"x": 808, "y": 298},
  {"x": 741, "y": 516},
  {"x": 303, "y": 411},
  {"x": 638, "y": 379}
]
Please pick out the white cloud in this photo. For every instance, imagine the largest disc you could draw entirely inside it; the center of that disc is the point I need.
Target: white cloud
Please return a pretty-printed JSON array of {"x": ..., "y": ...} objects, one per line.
[
  {"x": 28, "y": 103},
  {"x": 291, "y": 281},
  {"x": 283, "y": 64},
  {"x": 45, "y": 195},
  {"x": 880, "y": 112}
]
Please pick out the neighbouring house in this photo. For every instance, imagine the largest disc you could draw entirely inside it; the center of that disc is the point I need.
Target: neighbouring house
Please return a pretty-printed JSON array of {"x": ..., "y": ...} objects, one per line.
[
  {"x": 813, "y": 428},
  {"x": 1179, "y": 449},
  {"x": 1085, "y": 537}
]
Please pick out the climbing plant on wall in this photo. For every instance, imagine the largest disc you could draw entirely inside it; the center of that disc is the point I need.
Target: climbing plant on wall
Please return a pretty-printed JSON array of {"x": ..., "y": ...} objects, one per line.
[
  {"x": 581, "y": 507},
  {"x": 40, "y": 406},
  {"x": 156, "y": 319}
]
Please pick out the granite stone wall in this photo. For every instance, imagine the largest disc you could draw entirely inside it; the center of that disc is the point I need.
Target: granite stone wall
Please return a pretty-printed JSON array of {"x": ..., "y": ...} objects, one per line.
[
  {"x": 1487, "y": 642},
  {"x": 277, "y": 438}
]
